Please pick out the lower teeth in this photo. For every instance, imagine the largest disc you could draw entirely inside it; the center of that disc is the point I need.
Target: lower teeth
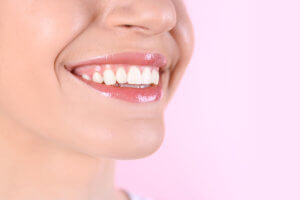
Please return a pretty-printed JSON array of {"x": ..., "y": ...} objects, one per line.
[{"x": 132, "y": 86}]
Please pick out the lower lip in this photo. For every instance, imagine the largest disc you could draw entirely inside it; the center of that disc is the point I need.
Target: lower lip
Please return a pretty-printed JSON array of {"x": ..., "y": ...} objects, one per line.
[{"x": 134, "y": 95}]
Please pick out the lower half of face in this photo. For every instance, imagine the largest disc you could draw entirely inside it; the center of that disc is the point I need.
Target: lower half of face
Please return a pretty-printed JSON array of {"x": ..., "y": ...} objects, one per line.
[{"x": 87, "y": 75}]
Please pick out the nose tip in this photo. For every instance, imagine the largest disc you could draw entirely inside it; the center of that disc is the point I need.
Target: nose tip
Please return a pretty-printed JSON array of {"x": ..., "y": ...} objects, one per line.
[{"x": 145, "y": 16}]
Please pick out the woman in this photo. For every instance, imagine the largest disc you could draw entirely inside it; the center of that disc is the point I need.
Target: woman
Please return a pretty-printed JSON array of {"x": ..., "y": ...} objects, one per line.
[{"x": 83, "y": 83}]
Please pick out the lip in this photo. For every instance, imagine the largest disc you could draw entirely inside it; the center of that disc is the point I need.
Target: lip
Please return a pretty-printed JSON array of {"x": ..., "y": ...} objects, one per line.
[
  {"x": 134, "y": 95},
  {"x": 131, "y": 58}
]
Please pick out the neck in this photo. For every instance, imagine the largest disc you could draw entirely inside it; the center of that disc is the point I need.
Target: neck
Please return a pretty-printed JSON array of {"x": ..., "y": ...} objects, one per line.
[{"x": 32, "y": 168}]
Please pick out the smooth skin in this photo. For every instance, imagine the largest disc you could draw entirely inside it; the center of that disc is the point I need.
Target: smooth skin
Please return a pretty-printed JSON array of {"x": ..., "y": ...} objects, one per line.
[{"x": 59, "y": 138}]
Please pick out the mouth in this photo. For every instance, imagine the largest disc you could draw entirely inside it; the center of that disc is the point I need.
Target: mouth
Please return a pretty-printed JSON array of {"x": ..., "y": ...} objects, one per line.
[{"x": 130, "y": 76}]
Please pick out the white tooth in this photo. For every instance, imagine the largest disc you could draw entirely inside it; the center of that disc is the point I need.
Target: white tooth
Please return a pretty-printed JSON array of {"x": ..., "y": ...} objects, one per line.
[
  {"x": 109, "y": 77},
  {"x": 86, "y": 77},
  {"x": 134, "y": 75},
  {"x": 121, "y": 75},
  {"x": 146, "y": 76},
  {"x": 155, "y": 77},
  {"x": 97, "y": 77}
]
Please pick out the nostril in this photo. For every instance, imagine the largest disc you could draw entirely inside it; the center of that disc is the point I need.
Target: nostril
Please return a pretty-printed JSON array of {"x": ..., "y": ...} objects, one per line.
[
  {"x": 130, "y": 26},
  {"x": 127, "y": 25}
]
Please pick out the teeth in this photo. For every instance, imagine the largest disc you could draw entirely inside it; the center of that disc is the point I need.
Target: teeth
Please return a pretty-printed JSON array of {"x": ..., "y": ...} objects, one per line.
[
  {"x": 134, "y": 76},
  {"x": 121, "y": 75},
  {"x": 109, "y": 77},
  {"x": 97, "y": 77},
  {"x": 146, "y": 76},
  {"x": 86, "y": 77},
  {"x": 155, "y": 77}
]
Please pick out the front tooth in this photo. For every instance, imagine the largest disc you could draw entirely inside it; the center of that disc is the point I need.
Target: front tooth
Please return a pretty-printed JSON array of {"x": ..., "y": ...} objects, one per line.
[
  {"x": 121, "y": 75},
  {"x": 109, "y": 77},
  {"x": 97, "y": 77},
  {"x": 86, "y": 77},
  {"x": 134, "y": 76},
  {"x": 155, "y": 77},
  {"x": 146, "y": 76}
]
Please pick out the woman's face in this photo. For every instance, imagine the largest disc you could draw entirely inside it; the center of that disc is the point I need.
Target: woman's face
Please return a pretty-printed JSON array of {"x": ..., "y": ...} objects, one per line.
[{"x": 40, "y": 38}]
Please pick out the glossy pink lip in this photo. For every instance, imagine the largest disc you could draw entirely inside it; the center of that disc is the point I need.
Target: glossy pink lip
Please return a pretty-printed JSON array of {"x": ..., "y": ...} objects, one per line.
[
  {"x": 131, "y": 58},
  {"x": 135, "y": 95}
]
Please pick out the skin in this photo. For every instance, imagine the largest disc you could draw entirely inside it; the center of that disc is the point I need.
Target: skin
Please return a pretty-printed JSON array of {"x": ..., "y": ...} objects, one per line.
[{"x": 59, "y": 138}]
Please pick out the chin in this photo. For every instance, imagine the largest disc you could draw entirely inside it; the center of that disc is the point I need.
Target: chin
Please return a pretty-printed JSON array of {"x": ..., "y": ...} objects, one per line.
[
  {"x": 141, "y": 139},
  {"x": 130, "y": 139},
  {"x": 109, "y": 138}
]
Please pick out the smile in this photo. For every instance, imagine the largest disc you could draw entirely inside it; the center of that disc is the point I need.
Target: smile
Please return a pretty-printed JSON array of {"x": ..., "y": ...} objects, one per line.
[{"x": 133, "y": 77}]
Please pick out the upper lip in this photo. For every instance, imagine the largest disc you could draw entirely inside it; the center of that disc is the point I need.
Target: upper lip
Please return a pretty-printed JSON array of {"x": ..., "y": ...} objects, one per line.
[{"x": 131, "y": 58}]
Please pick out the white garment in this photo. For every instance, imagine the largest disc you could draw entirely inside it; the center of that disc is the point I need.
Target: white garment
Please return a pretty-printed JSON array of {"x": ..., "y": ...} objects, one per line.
[{"x": 133, "y": 196}]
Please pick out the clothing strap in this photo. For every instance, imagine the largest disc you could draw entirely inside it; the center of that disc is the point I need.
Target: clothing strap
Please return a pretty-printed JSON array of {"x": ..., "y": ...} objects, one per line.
[{"x": 134, "y": 196}]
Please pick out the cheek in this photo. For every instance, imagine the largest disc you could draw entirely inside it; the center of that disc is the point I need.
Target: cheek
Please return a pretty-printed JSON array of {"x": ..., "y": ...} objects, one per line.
[
  {"x": 32, "y": 35},
  {"x": 40, "y": 29}
]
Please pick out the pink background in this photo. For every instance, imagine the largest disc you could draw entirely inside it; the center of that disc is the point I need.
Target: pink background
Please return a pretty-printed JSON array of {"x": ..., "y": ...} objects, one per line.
[{"x": 233, "y": 128}]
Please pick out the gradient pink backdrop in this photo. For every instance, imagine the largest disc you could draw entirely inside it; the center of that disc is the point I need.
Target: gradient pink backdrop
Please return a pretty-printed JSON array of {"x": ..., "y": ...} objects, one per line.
[{"x": 233, "y": 128}]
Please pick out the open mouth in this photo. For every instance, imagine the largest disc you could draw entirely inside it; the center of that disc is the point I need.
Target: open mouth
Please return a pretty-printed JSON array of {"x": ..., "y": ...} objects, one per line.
[{"x": 134, "y": 77}]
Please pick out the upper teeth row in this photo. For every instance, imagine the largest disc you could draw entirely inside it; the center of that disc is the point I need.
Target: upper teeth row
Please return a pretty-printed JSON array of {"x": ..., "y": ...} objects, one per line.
[{"x": 134, "y": 76}]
